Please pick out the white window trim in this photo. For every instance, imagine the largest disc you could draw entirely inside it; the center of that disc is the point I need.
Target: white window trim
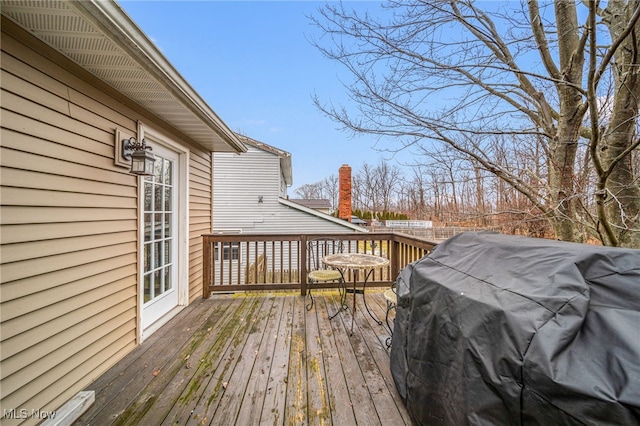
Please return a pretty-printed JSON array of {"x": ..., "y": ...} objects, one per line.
[{"x": 220, "y": 250}]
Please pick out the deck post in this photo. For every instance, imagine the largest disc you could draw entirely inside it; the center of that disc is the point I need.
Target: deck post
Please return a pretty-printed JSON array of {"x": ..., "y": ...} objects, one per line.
[
  {"x": 395, "y": 255},
  {"x": 302, "y": 261},
  {"x": 207, "y": 265}
]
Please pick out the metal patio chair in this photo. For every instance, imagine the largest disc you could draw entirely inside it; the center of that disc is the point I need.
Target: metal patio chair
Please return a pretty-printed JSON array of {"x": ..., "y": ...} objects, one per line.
[
  {"x": 391, "y": 297},
  {"x": 316, "y": 250}
]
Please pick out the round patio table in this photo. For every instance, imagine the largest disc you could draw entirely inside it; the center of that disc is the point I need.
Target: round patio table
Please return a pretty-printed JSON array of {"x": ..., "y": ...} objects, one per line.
[{"x": 355, "y": 262}]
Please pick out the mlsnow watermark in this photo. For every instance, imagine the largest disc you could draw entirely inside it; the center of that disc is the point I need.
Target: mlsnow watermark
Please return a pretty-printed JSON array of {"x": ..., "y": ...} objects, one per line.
[{"x": 23, "y": 413}]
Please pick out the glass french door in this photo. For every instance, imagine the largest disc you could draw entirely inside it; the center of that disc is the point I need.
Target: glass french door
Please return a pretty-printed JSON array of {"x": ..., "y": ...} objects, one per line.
[{"x": 159, "y": 245}]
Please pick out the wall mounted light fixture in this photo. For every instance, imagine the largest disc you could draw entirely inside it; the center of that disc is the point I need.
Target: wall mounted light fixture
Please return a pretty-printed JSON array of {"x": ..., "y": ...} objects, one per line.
[{"x": 138, "y": 153}]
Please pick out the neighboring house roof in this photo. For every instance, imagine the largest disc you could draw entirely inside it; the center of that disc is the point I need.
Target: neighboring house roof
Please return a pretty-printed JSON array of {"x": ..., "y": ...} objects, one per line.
[
  {"x": 357, "y": 221},
  {"x": 321, "y": 215},
  {"x": 285, "y": 157},
  {"x": 101, "y": 38},
  {"x": 313, "y": 203}
]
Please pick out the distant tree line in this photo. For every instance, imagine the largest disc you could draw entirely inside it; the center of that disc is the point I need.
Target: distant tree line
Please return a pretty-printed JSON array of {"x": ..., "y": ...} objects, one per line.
[
  {"x": 384, "y": 215},
  {"x": 453, "y": 193}
]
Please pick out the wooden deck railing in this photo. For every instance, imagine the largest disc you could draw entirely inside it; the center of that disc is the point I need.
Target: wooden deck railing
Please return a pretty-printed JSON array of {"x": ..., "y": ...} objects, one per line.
[{"x": 281, "y": 262}]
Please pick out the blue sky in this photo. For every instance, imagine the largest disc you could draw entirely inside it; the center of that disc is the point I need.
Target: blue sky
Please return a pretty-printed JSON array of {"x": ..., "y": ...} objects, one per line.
[{"x": 253, "y": 64}]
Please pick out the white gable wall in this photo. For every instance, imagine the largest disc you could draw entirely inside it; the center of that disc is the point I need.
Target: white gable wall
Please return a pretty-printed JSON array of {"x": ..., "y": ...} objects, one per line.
[{"x": 238, "y": 183}]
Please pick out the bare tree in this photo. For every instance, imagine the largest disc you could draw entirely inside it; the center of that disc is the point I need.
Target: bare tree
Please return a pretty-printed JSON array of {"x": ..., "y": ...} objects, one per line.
[
  {"x": 419, "y": 199},
  {"x": 327, "y": 189},
  {"x": 311, "y": 191},
  {"x": 450, "y": 72},
  {"x": 389, "y": 178},
  {"x": 377, "y": 186},
  {"x": 330, "y": 189},
  {"x": 363, "y": 196}
]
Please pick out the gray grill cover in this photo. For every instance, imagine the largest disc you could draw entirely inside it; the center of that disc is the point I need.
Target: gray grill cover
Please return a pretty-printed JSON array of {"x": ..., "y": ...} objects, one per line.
[{"x": 501, "y": 330}]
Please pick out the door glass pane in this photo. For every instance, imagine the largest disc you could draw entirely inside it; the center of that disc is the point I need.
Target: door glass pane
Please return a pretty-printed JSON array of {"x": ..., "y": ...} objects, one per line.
[
  {"x": 147, "y": 257},
  {"x": 157, "y": 291},
  {"x": 167, "y": 278},
  {"x": 157, "y": 170},
  {"x": 167, "y": 198},
  {"x": 157, "y": 224},
  {"x": 158, "y": 197},
  {"x": 168, "y": 232},
  {"x": 148, "y": 196},
  {"x": 168, "y": 173},
  {"x": 157, "y": 254},
  {"x": 147, "y": 287},
  {"x": 147, "y": 227}
]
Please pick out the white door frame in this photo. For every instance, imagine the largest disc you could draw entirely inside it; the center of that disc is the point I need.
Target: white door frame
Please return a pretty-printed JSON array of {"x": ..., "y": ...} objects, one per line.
[{"x": 156, "y": 137}]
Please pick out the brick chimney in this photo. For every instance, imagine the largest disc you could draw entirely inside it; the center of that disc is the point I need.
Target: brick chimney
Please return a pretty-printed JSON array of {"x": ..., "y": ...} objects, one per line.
[{"x": 344, "y": 185}]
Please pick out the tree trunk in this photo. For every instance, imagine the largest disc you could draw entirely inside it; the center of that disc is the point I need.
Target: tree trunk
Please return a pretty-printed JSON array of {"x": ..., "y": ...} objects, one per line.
[
  {"x": 565, "y": 144},
  {"x": 622, "y": 198}
]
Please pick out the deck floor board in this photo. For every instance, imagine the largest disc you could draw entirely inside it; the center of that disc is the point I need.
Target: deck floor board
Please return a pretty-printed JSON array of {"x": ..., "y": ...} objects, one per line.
[
  {"x": 251, "y": 359},
  {"x": 253, "y": 399},
  {"x": 339, "y": 400},
  {"x": 273, "y": 407}
]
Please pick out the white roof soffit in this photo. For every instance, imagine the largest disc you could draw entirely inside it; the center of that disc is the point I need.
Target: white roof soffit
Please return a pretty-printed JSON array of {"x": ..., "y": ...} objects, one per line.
[{"x": 99, "y": 36}]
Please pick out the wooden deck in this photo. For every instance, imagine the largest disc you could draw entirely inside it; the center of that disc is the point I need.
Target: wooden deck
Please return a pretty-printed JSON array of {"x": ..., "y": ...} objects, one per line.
[{"x": 253, "y": 360}]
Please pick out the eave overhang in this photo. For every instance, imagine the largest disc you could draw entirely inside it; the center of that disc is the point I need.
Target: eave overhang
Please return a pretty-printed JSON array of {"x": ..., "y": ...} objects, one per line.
[{"x": 101, "y": 38}]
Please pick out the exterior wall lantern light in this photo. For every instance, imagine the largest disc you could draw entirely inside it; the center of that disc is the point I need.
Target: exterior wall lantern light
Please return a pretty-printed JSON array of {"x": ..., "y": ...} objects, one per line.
[{"x": 141, "y": 159}]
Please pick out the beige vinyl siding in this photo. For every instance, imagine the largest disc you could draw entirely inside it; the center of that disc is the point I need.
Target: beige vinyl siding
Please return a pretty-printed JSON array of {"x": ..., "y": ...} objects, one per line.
[
  {"x": 199, "y": 216},
  {"x": 69, "y": 239},
  {"x": 69, "y": 218}
]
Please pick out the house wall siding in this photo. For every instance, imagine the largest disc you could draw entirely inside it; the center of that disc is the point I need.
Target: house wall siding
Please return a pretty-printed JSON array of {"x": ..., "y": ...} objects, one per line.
[
  {"x": 238, "y": 182},
  {"x": 69, "y": 248},
  {"x": 200, "y": 204}
]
